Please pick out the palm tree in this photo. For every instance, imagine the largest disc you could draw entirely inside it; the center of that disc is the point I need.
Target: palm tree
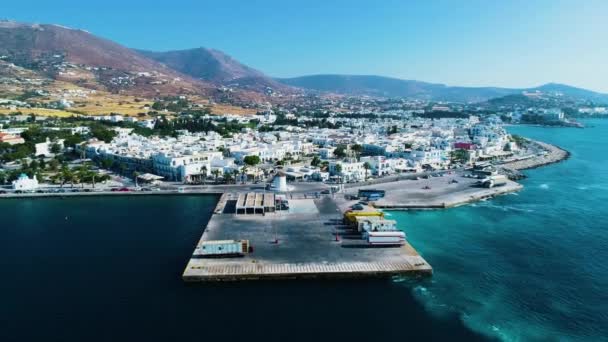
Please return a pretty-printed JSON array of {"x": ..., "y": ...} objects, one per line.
[
  {"x": 235, "y": 173},
  {"x": 357, "y": 149},
  {"x": 3, "y": 177},
  {"x": 123, "y": 168},
  {"x": 338, "y": 169},
  {"x": 216, "y": 174},
  {"x": 204, "y": 172},
  {"x": 92, "y": 175},
  {"x": 135, "y": 176},
  {"x": 243, "y": 173},
  {"x": 228, "y": 178},
  {"x": 83, "y": 150},
  {"x": 65, "y": 175},
  {"x": 73, "y": 178},
  {"x": 366, "y": 166}
]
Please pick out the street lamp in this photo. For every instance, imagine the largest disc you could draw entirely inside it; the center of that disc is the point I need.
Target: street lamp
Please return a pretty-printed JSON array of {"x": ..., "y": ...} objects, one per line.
[{"x": 338, "y": 222}]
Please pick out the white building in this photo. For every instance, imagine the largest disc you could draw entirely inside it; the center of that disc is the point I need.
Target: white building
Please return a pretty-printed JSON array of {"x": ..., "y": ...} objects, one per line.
[
  {"x": 44, "y": 149},
  {"x": 349, "y": 171},
  {"x": 24, "y": 183},
  {"x": 380, "y": 166}
]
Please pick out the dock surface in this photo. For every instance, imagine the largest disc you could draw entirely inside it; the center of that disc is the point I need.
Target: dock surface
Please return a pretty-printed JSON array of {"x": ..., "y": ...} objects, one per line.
[
  {"x": 297, "y": 243},
  {"x": 450, "y": 190}
]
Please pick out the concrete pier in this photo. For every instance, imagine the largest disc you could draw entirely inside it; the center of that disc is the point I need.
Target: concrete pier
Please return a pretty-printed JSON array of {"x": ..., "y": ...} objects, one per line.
[{"x": 297, "y": 243}]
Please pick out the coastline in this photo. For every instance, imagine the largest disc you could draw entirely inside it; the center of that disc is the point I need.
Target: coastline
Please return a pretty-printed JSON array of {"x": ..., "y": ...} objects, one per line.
[{"x": 555, "y": 154}]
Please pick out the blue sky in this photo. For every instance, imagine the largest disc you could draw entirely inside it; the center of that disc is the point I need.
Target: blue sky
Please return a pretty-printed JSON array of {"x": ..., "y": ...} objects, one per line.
[{"x": 471, "y": 42}]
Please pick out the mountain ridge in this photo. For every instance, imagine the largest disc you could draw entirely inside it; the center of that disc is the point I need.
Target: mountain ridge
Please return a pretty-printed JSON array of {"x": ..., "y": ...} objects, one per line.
[
  {"x": 215, "y": 66},
  {"x": 374, "y": 85},
  {"x": 79, "y": 57}
]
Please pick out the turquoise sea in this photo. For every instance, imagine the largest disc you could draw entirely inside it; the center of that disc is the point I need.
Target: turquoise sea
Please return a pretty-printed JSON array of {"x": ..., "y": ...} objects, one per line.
[{"x": 531, "y": 265}]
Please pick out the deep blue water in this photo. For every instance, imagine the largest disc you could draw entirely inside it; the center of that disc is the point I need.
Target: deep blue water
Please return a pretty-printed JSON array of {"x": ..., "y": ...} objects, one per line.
[
  {"x": 112, "y": 272},
  {"x": 530, "y": 266}
]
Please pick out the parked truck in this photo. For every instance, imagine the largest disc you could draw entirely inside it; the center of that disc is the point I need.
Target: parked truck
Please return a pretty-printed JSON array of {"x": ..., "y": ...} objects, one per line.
[
  {"x": 394, "y": 238},
  {"x": 350, "y": 216},
  {"x": 492, "y": 181},
  {"x": 223, "y": 248}
]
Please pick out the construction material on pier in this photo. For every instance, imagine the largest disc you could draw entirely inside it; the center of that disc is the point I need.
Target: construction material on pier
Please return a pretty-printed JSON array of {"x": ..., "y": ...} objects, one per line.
[
  {"x": 255, "y": 203},
  {"x": 308, "y": 240}
]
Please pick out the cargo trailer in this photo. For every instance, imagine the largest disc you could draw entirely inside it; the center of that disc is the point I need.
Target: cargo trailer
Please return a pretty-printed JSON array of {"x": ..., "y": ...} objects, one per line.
[
  {"x": 492, "y": 181},
  {"x": 396, "y": 238},
  {"x": 223, "y": 248}
]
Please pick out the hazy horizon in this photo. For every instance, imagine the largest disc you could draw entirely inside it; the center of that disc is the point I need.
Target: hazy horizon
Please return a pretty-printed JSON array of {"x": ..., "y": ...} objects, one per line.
[{"x": 512, "y": 45}]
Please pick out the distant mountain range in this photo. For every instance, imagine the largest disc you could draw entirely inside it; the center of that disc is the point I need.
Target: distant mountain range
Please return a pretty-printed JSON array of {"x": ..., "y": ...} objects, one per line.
[
  {"x": 75, "y": 56},
  {"x": 371, "y": 85},
  {"x": 216, "y": 67}
]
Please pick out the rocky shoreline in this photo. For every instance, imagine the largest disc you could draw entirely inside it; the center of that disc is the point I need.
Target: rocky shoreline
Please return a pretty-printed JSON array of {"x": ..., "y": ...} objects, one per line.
[{"x": 554, "y": 154}]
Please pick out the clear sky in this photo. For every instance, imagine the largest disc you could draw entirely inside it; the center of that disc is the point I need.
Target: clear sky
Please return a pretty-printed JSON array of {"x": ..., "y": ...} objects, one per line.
[{"x": 466, "y": 42}]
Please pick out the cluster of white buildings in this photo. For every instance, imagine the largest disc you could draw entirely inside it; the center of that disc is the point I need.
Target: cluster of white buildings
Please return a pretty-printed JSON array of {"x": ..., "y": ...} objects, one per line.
[{"x": 414, "y": 144}]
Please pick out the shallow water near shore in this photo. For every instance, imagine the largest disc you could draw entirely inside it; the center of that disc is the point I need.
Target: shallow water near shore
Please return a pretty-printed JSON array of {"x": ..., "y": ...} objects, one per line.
[{"x": 529, "y": 266}]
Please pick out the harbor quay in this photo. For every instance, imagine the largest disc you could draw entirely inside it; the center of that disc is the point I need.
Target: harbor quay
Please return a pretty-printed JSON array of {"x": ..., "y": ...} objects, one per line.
[
  {"x": 449, "y": 190},
  {"x": 308, "y": 240}
]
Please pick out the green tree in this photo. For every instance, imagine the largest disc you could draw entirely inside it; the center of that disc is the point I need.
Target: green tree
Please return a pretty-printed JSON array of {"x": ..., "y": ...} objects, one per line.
[
  {"x": 106, "y": 163},
  {"x": 216, "y": 174},
  {"x": 135, "y": 177},
  {"x": 235, "y": 173},
  {"x": 123, "y": 168},
  {"x": 3, "y": 177},
  {"x": 459, "y": 156},
  {"x": 55, "y": 148},
  {"x": 357, "y": 149},
  {"x": 340, "y": 151},
  {"x": 204, "y": 172},
  {"x": 53, "y": 164},
  {"x": 251, "y": 160},
  {"x": 228, "y": 177},
  {"x": 338, "y": 168},
  {"x": 42, "y": 164},
  {"x": 244, "y": 170},
  {"x": 100, "y": 132},
  {"x": 315, "y": 161}
]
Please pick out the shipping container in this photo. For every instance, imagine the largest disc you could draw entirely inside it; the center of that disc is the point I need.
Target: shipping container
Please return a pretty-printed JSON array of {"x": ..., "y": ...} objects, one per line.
[
  {"x": 223, "y": 248},
  {"x": 385, "y": 238}
]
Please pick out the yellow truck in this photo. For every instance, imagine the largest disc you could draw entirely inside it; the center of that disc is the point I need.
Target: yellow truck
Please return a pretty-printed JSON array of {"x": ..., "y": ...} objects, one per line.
[{"x": 350, "y": 216}]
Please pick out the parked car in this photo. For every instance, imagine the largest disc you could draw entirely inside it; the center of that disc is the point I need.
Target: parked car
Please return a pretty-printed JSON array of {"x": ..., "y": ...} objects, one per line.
[{"x": 124, "y": 190}]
